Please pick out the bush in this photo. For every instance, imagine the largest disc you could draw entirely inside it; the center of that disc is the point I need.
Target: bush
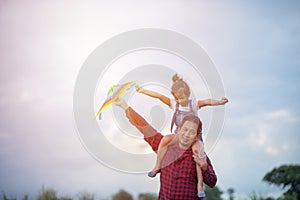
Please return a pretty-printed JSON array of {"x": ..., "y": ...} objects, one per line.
[
  {"x": 47, "y": 194},
  {"x": 122, "y": 195},
  {"x": 148, "y": 196}
]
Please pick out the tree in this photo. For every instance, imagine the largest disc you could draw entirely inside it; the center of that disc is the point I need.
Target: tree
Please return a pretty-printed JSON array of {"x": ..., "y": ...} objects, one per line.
[
  {"x": 255, "y": 196},
  {"x": 47, "y": 194},
  {"x": 122, "y": 195},
  {"x": 213, "y": 193},
  {"x": 85, "y": 196},
  {"x": 230, "y": 192},
  {"x": 286, "y": 176},
  {"x": 65, "y": 198},
  {"x": 26, "y": 197},
  {"x": 147, "y": 196}
]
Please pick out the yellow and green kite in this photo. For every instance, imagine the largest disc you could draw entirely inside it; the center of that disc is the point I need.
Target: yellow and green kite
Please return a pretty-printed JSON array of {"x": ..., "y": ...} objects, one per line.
[{"x": 115, "y": 90}]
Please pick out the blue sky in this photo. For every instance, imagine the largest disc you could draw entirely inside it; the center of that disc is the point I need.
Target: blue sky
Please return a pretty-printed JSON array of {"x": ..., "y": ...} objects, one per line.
[{"x": 254, "y": 45}]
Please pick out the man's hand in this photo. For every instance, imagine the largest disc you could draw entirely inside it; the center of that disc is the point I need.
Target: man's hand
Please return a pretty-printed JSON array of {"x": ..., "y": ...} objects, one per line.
[
  {"x": 118, "y": 101},
  {"x": 201, "y": 161}
]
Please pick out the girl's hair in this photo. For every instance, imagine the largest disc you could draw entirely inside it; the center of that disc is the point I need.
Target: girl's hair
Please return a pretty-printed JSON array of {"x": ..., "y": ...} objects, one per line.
[
  {"x": 194, "y": 119},
  {"x": 179, "y": 83}
]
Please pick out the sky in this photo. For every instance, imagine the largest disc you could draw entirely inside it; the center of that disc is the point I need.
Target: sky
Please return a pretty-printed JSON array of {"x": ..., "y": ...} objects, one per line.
[{"x": 254, "y": 45}]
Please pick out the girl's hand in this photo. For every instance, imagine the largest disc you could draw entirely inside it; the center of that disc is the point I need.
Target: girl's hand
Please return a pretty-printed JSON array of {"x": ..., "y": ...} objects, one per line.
[
  {"x": 139, "y": 89},
  {"x": 223, "y": 100}
]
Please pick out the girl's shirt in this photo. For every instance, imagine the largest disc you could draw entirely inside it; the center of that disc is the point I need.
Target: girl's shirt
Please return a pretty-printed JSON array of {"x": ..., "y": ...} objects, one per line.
[{"x": 181, "y": 111}]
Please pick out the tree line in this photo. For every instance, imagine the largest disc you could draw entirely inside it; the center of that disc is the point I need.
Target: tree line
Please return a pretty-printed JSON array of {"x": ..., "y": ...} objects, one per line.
[{"x": 285, "y": 176}]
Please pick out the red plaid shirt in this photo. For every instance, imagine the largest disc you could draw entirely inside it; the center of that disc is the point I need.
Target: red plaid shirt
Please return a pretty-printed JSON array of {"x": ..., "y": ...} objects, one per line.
[{"x": 178, "y": 178}]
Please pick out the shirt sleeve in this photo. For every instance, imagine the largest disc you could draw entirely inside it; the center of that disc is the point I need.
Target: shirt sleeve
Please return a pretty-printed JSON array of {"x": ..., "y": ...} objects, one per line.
[
  {"x": 209, "y": 176},
  {"x": 151, "y": 136},
  {"x": 195, "y": 105},
  {"x": 172, "y": 103}
]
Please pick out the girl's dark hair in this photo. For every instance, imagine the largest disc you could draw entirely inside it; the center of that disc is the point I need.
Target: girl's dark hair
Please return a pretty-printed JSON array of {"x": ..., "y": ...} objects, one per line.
[
  {"x": 194, "y": 119},
  {"x": 179, "y": 83}
]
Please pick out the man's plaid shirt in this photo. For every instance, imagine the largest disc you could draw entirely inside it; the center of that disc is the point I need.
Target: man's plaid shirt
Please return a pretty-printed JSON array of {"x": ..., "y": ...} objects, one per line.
[{"x": 178, "y": 179}]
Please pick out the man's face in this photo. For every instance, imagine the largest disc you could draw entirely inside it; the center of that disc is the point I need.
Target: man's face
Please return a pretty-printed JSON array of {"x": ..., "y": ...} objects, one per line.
[{"x": 187, "y": 134}]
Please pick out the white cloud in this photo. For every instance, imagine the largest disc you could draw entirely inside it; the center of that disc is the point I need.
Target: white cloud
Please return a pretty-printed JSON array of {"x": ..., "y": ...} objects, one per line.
[
  {"x": 274, "y": 132},
  {"x": 272, "y": 150},
  {"x": 283, "y": 115}
]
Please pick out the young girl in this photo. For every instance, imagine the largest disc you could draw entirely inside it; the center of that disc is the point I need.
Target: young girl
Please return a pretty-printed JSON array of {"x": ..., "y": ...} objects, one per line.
[{"x": 182, "y": 105}]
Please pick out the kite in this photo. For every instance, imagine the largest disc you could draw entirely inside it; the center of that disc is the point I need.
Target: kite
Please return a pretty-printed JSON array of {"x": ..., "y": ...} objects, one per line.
[{"x": 115, "y": 90}]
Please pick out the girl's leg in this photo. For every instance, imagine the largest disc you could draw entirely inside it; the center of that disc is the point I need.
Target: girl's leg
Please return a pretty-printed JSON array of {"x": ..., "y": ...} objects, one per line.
[
  {"x": 200, "y": 190},
  {"x": 198, "y": 149},
  {"x": 161, "y": 151}
]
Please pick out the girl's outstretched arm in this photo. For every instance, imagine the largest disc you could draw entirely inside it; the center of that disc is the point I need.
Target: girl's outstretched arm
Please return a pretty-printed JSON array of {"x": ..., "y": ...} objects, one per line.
[
  {"x": 162, "y": 98},
  {"x": 212, "y": 102}
]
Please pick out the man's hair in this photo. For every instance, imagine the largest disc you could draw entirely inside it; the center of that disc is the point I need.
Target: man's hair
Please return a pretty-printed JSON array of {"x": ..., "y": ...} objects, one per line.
[{"x": 194, "y": 119}]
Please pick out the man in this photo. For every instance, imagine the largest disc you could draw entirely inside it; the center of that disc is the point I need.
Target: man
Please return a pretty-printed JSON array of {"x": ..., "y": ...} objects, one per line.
[{"x": 178, "y": 179}]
